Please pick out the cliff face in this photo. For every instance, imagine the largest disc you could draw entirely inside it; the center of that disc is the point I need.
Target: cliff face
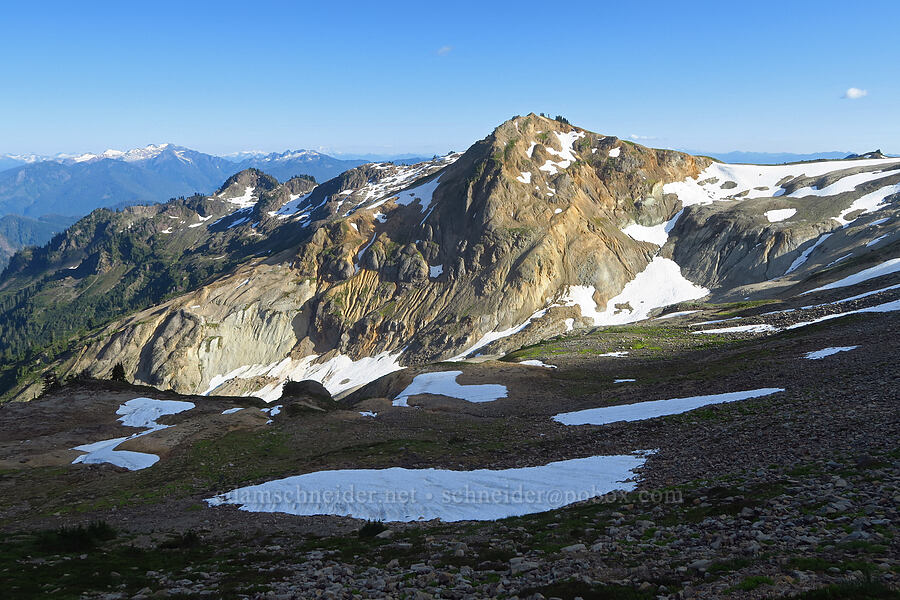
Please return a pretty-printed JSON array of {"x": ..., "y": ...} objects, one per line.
[{"x": 537, "y": 229}]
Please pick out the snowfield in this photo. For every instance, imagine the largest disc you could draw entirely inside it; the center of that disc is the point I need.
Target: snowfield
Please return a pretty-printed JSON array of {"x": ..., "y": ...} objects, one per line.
[
  {"x": 654, "y": 408},
  {"x": 660, "y": 284},
  {"x": 138, "y": 412},
  {"x": 444, "y": 384},
  {"x": 886, "y": 268},
  {"x": 338, "y": 374},
  {"x": 760, "y": 181},
  {"x": 654, "y": 234},
  {"x": 398, "y": 494}
]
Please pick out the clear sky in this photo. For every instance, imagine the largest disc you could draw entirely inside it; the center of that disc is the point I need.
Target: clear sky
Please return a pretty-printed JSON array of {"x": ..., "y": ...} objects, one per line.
[{"x": 393, "y": 77}]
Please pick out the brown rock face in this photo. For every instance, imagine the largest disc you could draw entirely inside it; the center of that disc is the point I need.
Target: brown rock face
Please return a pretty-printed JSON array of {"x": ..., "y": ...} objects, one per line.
[{"x": 474, "y": 245}]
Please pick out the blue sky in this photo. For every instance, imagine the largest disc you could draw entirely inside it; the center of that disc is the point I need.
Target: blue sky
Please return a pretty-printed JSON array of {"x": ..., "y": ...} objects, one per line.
[{"x": 393, "y": 77}]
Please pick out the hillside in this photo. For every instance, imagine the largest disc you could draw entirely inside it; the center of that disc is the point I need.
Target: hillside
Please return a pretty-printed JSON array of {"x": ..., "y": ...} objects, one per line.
[{"x": 17, "y": 232}]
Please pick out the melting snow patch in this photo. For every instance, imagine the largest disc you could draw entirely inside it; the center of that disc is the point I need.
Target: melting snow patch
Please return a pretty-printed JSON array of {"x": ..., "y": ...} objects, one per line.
[
  {"x": 856, "y": 297},
  {"x": 421, "y": 193},
  {"x": 892, "y": 306},
  {"x": 885, "y": 268},
  {"x": 654, "y": 408},
  {"x": 368, "y": 413},
  {"x": 272, "y": 410},
  {"x": 244, "y": 201},
  {"x": 566, "y": 140},
  {"x": 677, "y": 314},
  {"x": 655, "y": 234},
  {"x": 338, "y": 374},
  {"x": 444, "y": 384},
  {"x": 761, "y": 328},
  {"x": 820, "y": 354},
  {"x": 138, "y": 412},
  {"x": 780, "y": 214},
  {"x": 757, "y": 180},
  {"x": 802, "y": 258},
  {"x": 876, "y": 240},
  {"x": 536, "y": 363},
  {"x": 660, "y": 284},
  {"x": 624, "y": 380},
  {"x": 435, "y": 271},
  {"x": 868, "y": 203},
  {"x": 399, "y": 494}
]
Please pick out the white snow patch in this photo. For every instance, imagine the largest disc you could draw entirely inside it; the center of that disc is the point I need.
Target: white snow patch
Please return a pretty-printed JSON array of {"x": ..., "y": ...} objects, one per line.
[
  {"x": 493, "y": 336},
  {"x": 820, "y": 354},
  {"x": 677, "y": 314},
  {"x": 655, "y": 234},
  {"x": 892, "y": 306},
  {"x": 566, "y": 140},
  {"x": 530, "y": 150},
  {"x": 842, "y": 185},
  {"x": 660, "y": 284},
  {"x": 435, "y": 271},
  {"x": 761, "y": 328},
  {"x": 798, "y": 262},
  {"x": 851, "y": 298},
  {"x": 399, "y": 494},
  {"x": 614, "y": 153},
  {"x": 444, "y": 384},
  {"x": 885, "y": 268},
  {"x": 368, "y": 413},
  {"x": 338, "y": 374},
  {"x": 618, "y": 354},
  {"x": 138, "y": 412},
  {"x": 780, "y": 214},
  {"x": 703, "y": 190},
  {"x": 878, "y": 239},
  {"x": 421, "y": 194},
  {"x": 640, "y": 411},
  {"x": 868, "y": 203},
  {"x": 624, "y": 380},
  {"x": 536, "y": 363},
  {"x": 231, "y": 411},
  {"x": 246, "y": 200},
  {"x": 273, "y": 410},
  {"x": 557, "y": 211},
  {"x": 525, "y": 177}
]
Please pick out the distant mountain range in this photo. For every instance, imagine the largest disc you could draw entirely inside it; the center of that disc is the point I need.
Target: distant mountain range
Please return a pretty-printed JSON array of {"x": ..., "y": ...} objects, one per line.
[
  {"x": 770, "y": 158},
  {"x": 72, "y": 185},
  {"x": 65, "y": 184}
]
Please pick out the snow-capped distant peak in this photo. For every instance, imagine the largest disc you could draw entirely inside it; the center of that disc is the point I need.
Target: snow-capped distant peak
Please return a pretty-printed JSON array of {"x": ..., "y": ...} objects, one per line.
[
  {"x": 133, "y": 155},
  {"x": 289, "y": 155}
]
